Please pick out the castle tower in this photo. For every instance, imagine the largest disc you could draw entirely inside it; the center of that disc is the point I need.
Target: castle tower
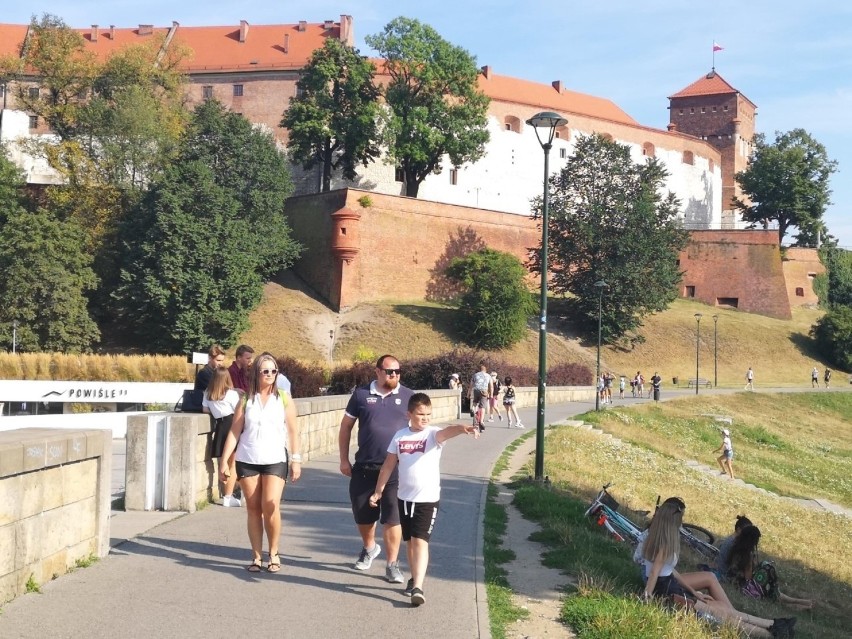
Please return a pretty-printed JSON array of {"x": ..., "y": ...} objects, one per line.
[{"x": 713, "y": 110}]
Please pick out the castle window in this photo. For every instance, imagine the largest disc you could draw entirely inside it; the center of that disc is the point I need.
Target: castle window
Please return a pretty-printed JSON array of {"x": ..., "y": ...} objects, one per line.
[
  {"x": 714, "y": 109},
  {"x": 607, "y": 137},
  {"x": 800, "y": 292},
  {"x": 703, "y": 110},
  {"x": 238, "y": 90},
  {"x": 454, "y": 176},
  {"x": 733, "y": 302},
  {"x": 399, "y": 174},
  {"x": 680, "y": 111},
  {"x": 688, "y": 158},
  {"x": 33, "y": 93},
  {"x": 691, "y": 109},
  {"x": 508, "y": 126},
  {"x": 725, "y": 108},
  {"x": 563, "y": 153},
  {"x": 207, "y": 92},
  {"x": 689, "y": 291},
  {"x": 2, "y": 90},
  {"x": 648, "y": 150},
  {"x": 511, "y": 123},
  {"x": 33, "y": 122},
  {"x": 811, "y": 276}
]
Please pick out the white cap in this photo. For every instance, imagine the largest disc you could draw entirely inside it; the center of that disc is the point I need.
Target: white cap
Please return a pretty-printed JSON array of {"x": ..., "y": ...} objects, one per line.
[
  {"x": 726, "y": 431},
  {"x": 456, "y": 375}
]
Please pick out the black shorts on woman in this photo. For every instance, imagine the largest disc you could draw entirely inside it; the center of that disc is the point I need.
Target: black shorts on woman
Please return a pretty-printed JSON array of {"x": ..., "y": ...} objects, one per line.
[
  {"x": 244, "y": 469},
  {"x": 221, "y": 426}
]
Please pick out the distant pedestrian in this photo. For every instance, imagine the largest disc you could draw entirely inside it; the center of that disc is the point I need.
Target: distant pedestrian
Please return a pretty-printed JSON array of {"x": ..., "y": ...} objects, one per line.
[
  {"x": 622, "y": 382},
  {"x": 640, "y": 384},
  {"x": 509, "y": 403},
  {"x": 454, "y": 382},
  {"x": 608, "y": 380},
  {"x": 479, "y": 392},
  {"x": 416, "y": 450},
  {"x": 493, "y": 405},
  {"x": 815, "y": 378},
  {"x": 726, "y": 458},
  {"x": 656, "y": 383},
  {"x": 749, "y": 379},
  {"x": 827, "y": 377}
]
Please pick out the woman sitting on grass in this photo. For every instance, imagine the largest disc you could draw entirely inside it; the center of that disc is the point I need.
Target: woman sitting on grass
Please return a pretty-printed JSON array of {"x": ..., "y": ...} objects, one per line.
[
  {"x": 755, "y": 578},
  {"x": 659, "y": 549}
]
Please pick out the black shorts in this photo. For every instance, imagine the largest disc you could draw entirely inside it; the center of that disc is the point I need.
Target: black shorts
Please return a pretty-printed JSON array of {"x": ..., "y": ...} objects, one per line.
[
  {"x": 221, "y": 427},
  {"x": 669, "y": 586},
  {"x": 362, "y": 485},
  {"x": 245, "y": 469},
  {"x": 417, "y": 519}
]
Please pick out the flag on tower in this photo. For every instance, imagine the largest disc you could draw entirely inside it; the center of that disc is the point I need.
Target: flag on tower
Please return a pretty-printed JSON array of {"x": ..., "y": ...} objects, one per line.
[{"x": 717, "y": 47}]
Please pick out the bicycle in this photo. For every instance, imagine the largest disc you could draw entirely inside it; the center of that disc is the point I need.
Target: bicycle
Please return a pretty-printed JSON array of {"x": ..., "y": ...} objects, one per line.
[
  {"x": 697, "y": 537},
  {"x": 605, "y": 509}
]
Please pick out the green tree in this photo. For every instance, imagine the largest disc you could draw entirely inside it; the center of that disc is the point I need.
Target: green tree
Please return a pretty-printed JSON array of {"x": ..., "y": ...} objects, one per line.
[
  {"x": 205, "y": 237},
  {"x": 787, "y": 182},
  {"x": 835, "y": 287},
  {"x": 46, "y": 273},
  {"x": 333, "y": 120},
  {"x": 609, "y": 222},
  {"x": 496, "y": 303},
  {"x": 435, "y": 106},
  {"x": 833, "y": 335}
]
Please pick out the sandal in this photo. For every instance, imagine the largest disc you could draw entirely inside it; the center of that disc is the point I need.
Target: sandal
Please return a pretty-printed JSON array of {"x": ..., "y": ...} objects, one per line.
[
  {"x": 255, "y": 566},
  {"x": 274, "y": 566}
]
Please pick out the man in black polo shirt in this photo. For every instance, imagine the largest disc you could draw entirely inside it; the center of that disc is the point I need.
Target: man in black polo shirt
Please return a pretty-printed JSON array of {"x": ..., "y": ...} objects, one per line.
[{"x": 380, "y": 410}]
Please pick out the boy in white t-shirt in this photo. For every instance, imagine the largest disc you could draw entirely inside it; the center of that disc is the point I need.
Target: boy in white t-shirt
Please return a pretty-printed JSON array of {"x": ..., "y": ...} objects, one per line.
[
  {"x": 727, "y": 450},
  {"x": 417, "y": 450}
]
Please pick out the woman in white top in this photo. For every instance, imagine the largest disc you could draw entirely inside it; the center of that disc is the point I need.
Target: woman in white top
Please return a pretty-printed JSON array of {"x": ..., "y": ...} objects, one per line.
[
  {"x": 263, "y": 431},
  {"x": 220, "y": 401},
  {"x": 660, "y": 548}
]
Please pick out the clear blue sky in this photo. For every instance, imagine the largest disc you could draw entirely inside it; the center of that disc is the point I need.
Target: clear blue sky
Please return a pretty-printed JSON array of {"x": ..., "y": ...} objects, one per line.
[{"x": 791, "y": 58}]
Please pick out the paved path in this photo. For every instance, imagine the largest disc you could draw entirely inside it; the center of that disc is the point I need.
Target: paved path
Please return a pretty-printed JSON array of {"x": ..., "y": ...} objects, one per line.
[{"x": 185, "y": 575}]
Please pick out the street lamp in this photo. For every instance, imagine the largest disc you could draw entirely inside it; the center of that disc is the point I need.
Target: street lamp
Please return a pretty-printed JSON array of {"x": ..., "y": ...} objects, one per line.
[
  {"x": 697, "y": 335},
  {"x": 715, "y": 352},
  {"x": 547, "y": 121},
  {"x": 601, "y": 285},
  {"x": 14, "y": 335}
]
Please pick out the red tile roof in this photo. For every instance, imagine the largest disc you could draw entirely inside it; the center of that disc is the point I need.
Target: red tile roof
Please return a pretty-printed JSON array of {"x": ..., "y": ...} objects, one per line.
[
  {"x": 11, "y": 38},
  {"x": 710, "y": 84}
]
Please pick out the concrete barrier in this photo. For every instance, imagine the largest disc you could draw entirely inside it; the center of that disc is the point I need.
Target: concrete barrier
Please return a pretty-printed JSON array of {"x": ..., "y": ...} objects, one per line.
[
  {"x": 54, "y": 503},
  {"x": 168, "y": 463}
]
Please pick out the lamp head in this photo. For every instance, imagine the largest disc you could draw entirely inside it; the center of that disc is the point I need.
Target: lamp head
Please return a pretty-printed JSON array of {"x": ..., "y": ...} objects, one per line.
[
  {"x": 548, "y": 121},
  {"x": 698, "y": 316}
]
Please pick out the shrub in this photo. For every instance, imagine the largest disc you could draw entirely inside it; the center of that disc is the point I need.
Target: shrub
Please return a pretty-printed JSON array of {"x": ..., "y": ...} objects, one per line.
[
  {"x": 307, "y": 380},
  {"x": 344, "y": 379},
  {"x": 571, "y": 374},
  {"x": 833, "y": 335}
]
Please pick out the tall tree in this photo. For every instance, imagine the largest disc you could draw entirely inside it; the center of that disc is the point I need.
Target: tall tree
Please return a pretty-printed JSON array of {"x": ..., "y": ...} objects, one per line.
[
  {"x": 609, "y": 222},
  {"x": 787, "y": 182},
  {"x": 207, "y": 234},
  {"x": 333, "y": 120},
  {"x": 435, "y": 106}
]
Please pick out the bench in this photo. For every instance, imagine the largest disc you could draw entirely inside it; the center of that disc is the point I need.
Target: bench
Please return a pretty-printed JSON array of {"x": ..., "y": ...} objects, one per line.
[{"x": 700, "y": 382}]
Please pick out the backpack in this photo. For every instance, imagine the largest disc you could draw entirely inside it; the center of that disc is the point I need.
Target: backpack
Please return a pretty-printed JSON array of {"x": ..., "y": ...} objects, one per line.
[{"x": 763, "y": 583}]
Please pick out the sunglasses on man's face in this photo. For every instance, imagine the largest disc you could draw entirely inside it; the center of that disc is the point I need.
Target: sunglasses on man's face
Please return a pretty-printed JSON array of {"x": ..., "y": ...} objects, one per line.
[
  {"x": 391, "y": 371},
  {"x": 269, "y": 371}
]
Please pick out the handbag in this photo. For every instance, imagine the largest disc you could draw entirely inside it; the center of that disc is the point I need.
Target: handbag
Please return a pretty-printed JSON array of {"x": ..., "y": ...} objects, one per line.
[{"x": 190, "y": 402}]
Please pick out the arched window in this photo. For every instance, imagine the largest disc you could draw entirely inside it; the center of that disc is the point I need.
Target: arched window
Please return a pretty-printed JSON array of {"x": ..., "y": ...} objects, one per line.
[
  {"x": 648, "y": 150},
  {"x": 688, "y": 157},
  {"x": 511, "y": 123},
  {"x": 607, "y": 137}
]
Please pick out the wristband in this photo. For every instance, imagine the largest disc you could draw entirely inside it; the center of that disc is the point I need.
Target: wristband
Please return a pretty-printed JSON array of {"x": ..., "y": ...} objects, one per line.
[{"x": 296, "y": 458}]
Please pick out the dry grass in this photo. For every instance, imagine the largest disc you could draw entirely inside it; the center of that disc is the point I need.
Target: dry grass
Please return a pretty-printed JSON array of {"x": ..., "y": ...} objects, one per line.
[
  {"x": 105, "y": 368},
  {"x": 813, "y": 548}
]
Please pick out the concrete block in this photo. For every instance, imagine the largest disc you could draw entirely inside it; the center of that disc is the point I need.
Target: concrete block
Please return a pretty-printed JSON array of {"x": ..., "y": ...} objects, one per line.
[
  {"x": 135, "y": 465},
  {"x": 77, "y": 447},
  {"x": 8, "y": 586},
  {"x": 79, "y": 481},
  {"x": 56, "y": 450},
  {"x": 7, "y": 549},
  {"x": 27, "y": 541},
  {"x": 11, "y": 458},
  {"x": 11, "y": 499},
  {"x": 31, "y": 495},
  {"x": 34, "y": 454},
  {"x": 54, "y": 565}
]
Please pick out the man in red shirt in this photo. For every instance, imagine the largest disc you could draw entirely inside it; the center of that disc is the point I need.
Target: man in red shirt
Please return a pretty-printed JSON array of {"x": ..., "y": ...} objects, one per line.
[{"x": 239, "y": 369}]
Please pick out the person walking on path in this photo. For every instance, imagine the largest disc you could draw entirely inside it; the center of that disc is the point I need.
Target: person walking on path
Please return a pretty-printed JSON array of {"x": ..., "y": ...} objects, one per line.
[
  {"x": 379, "y": 408},
  {"x": 220, "y": 402},
  {"x": 815, "y": 378},
  {"x": 621, "y": 385},
  {"x": 416, "y": 451},
  {"x": 656, "y": 383},
  {"x": 265, "y": 435},
  {"x": 240, "y": 367},
  {"x": 726, "y": 458},
  {"x": 827, "y": 377},
  {"x": 493, "y": 405},
  {"x": 480, "y": 391},
  {"x": 749, "y": 379},
  {"x": 509, "y": 404}
]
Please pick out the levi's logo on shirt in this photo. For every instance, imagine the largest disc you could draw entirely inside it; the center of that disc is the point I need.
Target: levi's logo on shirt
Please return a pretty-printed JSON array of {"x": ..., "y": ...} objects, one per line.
[{"x": 418, "y": 446}]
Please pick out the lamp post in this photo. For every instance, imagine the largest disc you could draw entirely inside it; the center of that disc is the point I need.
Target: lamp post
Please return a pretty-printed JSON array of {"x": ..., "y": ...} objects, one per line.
[
  {"x": 14, "y": 336},
  {"x": 697, "y": 335},
  {"x": 601, "y": 285},
  {"x": 715, "y": 351},
  {"x": 547, "y": 121}
]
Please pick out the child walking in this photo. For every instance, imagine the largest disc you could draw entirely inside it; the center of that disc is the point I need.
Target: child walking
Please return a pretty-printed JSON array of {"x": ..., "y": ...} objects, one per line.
[
  {"x": 509, "y": 404},
  {"x": 727, "y": 454},
  {"x": 417, "y": 450}
]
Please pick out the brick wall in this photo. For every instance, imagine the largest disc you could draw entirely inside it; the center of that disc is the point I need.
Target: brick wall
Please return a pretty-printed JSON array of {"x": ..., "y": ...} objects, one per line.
[{"x": 800, "y": 266}]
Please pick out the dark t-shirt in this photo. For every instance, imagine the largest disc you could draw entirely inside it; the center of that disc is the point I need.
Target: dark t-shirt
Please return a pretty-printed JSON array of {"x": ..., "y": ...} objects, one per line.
[
  {"x": 379, "y": 418},
  {"x": 202, "y": 380},
  {"x": 239, "y": 377}
]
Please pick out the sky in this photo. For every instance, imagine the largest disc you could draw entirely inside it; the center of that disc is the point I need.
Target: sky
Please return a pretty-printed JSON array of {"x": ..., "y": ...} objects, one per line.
[{"x": 793, "y": 59}]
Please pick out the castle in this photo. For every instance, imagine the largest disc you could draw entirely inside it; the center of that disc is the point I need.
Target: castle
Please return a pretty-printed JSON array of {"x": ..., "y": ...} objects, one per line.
[{"x": 253, "y": 70}]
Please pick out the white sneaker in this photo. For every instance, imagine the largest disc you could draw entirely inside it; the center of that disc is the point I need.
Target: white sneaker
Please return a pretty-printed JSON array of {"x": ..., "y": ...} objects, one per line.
[
  {"x": 365, "y": 559},
  {"x": 519, "y": 425},
  {"x": 229, "y": 501},
  {"x": 491, "y": 419}
]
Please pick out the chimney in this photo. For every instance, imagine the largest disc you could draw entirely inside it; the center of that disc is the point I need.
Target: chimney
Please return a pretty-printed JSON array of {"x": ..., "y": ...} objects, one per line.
[
  {"x": 328, "y": 24},
  {"x": 302, "y": 25},
  {"x": 112, "y": 32},
  {"x": 486, "y": 71},
  {"x": 347, "y": 36},
  {"x": 146, "y": 29},
  {"x": 243, "y": 30},
  {"x": 286, "y": 43},
  {"x": 672, "y": 126},
  {"x": 94, "y": 36},
  {"x": 557, "y": 84}
]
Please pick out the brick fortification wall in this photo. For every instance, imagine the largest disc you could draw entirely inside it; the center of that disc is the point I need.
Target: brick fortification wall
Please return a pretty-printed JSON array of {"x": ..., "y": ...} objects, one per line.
[
  {"x": 801, "y": 265},
  {"x": 736, "y": 268}
]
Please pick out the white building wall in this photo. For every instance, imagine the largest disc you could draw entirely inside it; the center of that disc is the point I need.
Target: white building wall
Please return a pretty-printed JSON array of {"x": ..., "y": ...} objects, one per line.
[{"x": 14, "y": 134}]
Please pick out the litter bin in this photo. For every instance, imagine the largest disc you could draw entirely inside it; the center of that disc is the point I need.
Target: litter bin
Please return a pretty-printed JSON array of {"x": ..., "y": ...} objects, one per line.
[{"x": 674, "y": 381}]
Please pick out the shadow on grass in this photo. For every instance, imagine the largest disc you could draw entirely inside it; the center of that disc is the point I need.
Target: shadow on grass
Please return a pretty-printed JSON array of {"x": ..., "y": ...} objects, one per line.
[
  {"x": 441, "y": 320},
  {"x": 807, "y": 345}
]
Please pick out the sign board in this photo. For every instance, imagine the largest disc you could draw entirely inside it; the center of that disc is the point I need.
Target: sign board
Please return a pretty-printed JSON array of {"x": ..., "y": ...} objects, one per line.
[
  {"x": 198, "y": 358},
  {"x": 92, "y": 392}
]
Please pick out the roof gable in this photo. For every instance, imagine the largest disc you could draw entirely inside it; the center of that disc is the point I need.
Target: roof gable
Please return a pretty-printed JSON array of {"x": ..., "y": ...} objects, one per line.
[{"x": 710, "y": 84}]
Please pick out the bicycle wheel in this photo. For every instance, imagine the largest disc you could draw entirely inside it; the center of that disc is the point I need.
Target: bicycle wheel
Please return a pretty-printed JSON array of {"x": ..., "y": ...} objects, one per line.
[{"x": 701, "y": 534}]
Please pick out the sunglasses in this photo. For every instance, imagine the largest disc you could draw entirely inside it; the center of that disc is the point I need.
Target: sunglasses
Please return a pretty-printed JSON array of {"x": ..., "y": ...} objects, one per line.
[
  {"x": 391, "y": 371},
  {"x": 269, "y": 371}
]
